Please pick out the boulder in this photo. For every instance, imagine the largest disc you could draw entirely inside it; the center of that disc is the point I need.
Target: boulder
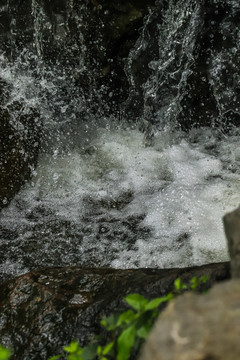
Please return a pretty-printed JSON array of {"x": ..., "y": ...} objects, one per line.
[
  {"x": 43, "y": 310},
  {"x": 200, "y": 327}
]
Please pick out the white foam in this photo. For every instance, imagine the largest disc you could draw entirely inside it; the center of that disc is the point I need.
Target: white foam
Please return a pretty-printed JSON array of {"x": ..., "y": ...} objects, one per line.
[{"x": 179, "y": 190}]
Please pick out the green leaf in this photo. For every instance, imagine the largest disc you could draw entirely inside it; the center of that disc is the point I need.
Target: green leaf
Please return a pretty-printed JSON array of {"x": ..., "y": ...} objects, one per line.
[
  {"x": 110, "y": 323},
  {"x": 5, "y": 353},
  {"x": 156, "y": 302},
  {"x": 203, "y": 279},
  {"x": 74, "y": 357},
  {"x": 126, "y": 317},
  {"x": 169, "y": 296},
  {"x": 144, "y": 331},
  {"x": 108, "y": 348},
  {"x": 125, "y": 343},
  {"x": 194, "y": 283},
  {"x": 138, "y": 302},
  {"x": 55, "y": 357},
  {"x": 99, "y": 350},
  {"x": 72, "y": 347},
  {"x": 89, "y": 352},
  {"x": 179, "y": 285}
]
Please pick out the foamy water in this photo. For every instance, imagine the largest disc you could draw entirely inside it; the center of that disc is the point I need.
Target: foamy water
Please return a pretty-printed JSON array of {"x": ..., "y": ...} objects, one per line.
[{"x": 115, "y": 202}]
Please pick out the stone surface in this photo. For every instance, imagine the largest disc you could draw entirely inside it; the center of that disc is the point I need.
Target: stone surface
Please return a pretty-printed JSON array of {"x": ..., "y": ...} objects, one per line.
[
  {"x": 232, "y": 229},
  {"x": 198, "y": 327},
  {"x": 43, "y": 310}
]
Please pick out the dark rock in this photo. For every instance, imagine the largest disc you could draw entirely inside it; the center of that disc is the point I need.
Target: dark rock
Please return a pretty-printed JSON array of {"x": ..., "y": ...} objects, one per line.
[
  {"x": 203, "y": 327},
  {"x": 96, "y": 37},
  {"x": 232, "y": 229},
  {"x": 19, "y": 145},
  {"x": 43, "y": 310},
  {"x": 169, "y": 64},
  {"x": 180, "y": 67}
]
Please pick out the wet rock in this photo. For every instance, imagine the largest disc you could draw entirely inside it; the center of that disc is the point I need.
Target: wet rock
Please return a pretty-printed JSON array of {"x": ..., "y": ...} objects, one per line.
[
  {"x": 199, "y": 327},
  {"x": 43, "y": 310},
  {"x": 19, "y": 145},
  {"x": 165, "y": 63},
  {"x": 180, "y": 67},
  {"x": 96, "y": 35}
]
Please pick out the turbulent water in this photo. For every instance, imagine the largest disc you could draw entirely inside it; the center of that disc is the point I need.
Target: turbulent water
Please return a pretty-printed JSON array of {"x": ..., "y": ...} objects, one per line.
[
  {"x": 105, "y": 194},
  {"x": 119, "y": 203}
]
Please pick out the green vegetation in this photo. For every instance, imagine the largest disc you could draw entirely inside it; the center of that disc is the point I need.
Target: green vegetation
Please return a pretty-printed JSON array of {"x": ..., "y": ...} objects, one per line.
[
  {"x": 4, "y": 353},
  {"x": 127, "y": 330}
]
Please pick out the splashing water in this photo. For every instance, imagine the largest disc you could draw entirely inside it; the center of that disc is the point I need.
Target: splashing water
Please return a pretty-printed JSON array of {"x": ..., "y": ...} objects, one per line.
[
  {"x": 103, "y": 192},
  {"x": 118, "y": 203}
]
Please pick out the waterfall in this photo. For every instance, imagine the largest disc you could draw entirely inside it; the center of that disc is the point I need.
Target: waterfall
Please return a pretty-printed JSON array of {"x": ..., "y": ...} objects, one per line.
[{"x": 125, "y": 121}]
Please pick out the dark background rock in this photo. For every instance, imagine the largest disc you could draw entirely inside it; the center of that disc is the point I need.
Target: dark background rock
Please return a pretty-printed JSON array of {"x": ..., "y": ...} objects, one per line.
[
  {"x": 181, "y": 64},
  {"x": 199, "y": 327},
  {"x": 43, "y": 310},
  {"x": 123, "y": 54},
  {"x": 19, "y": 146},
  {"x": 96, "y": 36}
]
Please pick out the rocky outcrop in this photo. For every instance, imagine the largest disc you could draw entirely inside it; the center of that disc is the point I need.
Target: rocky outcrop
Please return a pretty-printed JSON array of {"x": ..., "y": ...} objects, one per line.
[
  {"x": 199, "y": 327},
  {"x": 43, "y": 310}
]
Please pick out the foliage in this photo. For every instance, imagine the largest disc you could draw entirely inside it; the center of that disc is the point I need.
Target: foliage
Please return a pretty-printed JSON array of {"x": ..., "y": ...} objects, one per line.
[
  {"x": 5, "y": 353},
  {"x": 128, "y": 329}
]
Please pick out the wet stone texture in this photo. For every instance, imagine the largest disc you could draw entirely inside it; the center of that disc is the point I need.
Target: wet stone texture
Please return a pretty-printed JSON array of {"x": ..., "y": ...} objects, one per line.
[{"x": 43, "y": 310}]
